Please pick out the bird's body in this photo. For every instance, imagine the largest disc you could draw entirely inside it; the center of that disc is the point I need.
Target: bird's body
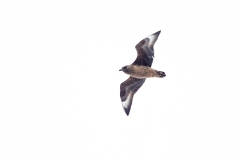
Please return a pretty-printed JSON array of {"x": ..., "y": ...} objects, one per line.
[{"x": 139, "y": 70}]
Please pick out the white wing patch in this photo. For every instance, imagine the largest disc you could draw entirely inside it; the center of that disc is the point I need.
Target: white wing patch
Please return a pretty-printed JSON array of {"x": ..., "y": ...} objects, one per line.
[
  {"x": 128, "y": 100},
  {"x": 151, "y": 39}
]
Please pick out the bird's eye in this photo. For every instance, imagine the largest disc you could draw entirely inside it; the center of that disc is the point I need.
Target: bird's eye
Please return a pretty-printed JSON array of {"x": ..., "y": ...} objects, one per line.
[{"x": 125, "y": 67}]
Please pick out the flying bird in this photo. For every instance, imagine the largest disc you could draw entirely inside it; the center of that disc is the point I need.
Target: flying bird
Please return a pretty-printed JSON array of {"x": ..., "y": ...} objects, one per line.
[{"x": 139, "y": 70}]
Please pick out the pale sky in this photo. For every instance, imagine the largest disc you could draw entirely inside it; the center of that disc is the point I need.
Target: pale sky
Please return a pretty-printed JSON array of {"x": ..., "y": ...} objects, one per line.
[{"x": 60, "y": 83}]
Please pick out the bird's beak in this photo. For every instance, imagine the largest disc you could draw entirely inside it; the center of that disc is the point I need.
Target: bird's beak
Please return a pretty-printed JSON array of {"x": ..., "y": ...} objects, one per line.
[{"x": 120, "y": 69}]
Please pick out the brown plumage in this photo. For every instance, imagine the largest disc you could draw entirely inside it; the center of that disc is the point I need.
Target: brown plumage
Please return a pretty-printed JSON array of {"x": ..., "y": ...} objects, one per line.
[{"x": 139, "y": 70}]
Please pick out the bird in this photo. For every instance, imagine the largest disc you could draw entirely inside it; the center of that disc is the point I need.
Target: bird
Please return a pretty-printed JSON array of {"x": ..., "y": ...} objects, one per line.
[{"x": 139, "y": 70}]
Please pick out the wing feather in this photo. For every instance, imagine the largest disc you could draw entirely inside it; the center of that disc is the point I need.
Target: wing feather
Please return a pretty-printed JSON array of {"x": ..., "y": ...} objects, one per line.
[
  {"x": 127, "y": 90},
  {"x": 145, "y": 50}
]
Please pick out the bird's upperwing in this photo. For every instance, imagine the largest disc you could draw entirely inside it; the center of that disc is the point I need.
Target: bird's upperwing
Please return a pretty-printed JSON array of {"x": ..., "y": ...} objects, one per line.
[
  {"x": 145, "y": 50},
  {"x": 127, "y": 90}
]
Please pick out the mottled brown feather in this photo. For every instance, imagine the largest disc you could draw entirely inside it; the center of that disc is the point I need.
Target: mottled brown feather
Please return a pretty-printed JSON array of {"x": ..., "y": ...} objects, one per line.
[
  {"x": 139, "y": 71},
  {"x": 130, "y": 87},
  {"x": 145, "y": 50}
]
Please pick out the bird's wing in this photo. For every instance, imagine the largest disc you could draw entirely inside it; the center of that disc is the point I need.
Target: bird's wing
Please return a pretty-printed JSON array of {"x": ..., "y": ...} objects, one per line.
[
  {"x": 145, "y": 50},
  {"x": 127, "y": 90}
]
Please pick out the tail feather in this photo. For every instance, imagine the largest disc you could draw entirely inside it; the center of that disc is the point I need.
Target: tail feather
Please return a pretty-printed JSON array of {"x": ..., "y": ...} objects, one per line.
[{"x": 160, "y": 74}]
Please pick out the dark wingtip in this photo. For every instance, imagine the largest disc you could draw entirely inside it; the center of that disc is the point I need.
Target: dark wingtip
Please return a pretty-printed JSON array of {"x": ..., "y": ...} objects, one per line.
[
  {"x": 127, "y": 111},
  {"x": 157, "y": 33}
]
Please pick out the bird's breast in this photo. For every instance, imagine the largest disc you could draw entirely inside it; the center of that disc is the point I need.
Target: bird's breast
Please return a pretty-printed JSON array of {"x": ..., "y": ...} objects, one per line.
[{"x": 142, "y": 72}]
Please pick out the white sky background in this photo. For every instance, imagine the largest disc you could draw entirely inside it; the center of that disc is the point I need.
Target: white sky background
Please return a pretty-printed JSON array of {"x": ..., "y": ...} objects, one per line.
[{"x": 59, "y": 85}]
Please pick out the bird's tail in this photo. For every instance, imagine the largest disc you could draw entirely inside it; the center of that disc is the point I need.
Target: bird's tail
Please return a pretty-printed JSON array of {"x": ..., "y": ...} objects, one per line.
[{"x": 160, "y": 74}]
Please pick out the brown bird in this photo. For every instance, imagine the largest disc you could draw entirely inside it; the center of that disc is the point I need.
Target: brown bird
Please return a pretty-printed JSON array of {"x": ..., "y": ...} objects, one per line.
[{"x": 139, "y": 70}]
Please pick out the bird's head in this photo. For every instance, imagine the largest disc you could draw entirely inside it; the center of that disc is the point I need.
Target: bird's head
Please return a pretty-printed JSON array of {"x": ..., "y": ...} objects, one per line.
[{"x": 125, "y": 69}]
